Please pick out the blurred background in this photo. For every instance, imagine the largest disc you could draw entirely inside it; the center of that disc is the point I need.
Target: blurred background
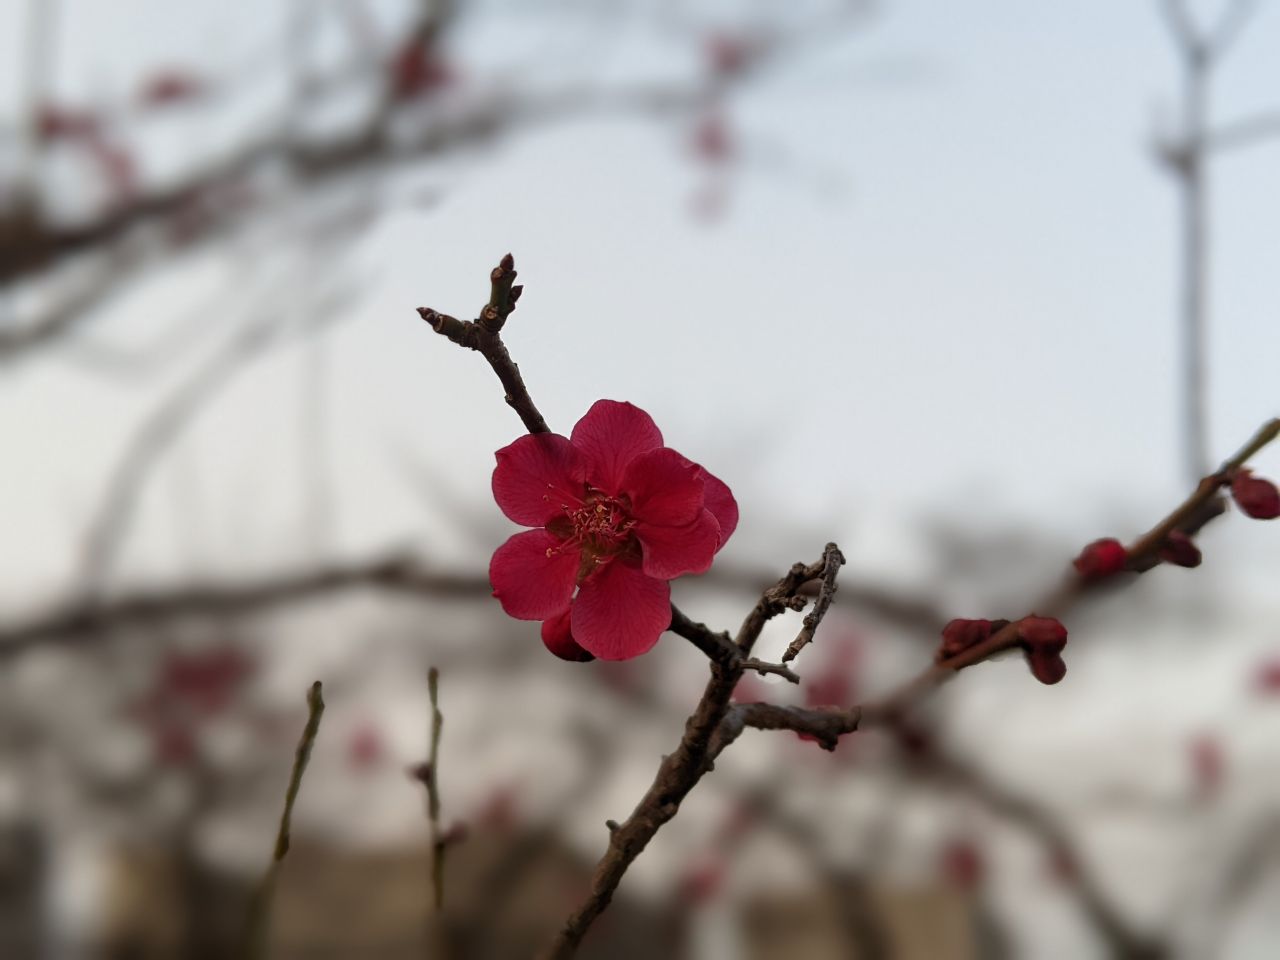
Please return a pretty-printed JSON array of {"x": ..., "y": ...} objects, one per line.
[{"x": 959, "y": 286}]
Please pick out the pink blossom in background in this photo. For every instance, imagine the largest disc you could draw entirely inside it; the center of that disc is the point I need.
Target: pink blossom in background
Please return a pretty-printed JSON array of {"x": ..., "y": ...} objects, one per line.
[{"x": 618, "y": 515}]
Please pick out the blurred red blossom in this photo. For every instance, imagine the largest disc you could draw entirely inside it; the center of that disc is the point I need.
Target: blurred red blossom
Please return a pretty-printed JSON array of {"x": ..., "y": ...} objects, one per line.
[
  {"x": 366, "y": 748},
  {"x": 204, "y": 680},
  {"x": 702, "y": 881},
  {"x": 1208, "y": 764},
  {"x": 619, "y": 515},
  {"x": 1266, "y": 677},
  {"x": 963, "y": 864},
  {"x": 728, "y": 54},
  {"x": 57, "y": 122},
  {"x": 712, "y": 140},
  {"x": 416, "y": 70},
  {"x": 170, "y": 86}
]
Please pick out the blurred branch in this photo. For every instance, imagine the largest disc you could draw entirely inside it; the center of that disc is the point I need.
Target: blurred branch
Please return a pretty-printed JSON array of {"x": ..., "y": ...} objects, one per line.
[
  {"x": 1123, "y": 943},
  {"x": 420, "y": 110},
  {"x": 430, "y": 777},
  {"x": 863, "y": 929},
  {"x": 1246, "y": 870},
  {"x": 166, "y": 423},
  {"x": 260, "y": 909},
  {"x": 1185, "y": 156},
  {"x": 1244, "y": 133},
  {"x": 140, "y": 609}
]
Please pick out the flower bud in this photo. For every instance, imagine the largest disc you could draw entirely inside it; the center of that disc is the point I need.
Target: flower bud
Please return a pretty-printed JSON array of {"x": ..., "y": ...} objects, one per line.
[
  {"x": 1180, "y": 550},
  {"x": 960, "y": 634},
  {"x": 557, "y": 638},
  {"x": 1101, "y": 559},
  {"x": 1258, "y": 498},
  {"x": 1043, "y": 633},
  {"x": 1046, "y": 665}
]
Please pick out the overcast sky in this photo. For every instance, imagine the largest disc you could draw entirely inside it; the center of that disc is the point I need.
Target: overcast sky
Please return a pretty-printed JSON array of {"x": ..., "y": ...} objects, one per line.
[{"x": 945, "y": 276}]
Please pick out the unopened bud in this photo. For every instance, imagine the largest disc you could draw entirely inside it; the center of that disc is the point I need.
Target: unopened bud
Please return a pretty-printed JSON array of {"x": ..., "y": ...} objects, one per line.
[
  {"x": 1102, "y": 558},
  {"x": 1258, "y": 498},
  {"x": 1180, "y": 550}
]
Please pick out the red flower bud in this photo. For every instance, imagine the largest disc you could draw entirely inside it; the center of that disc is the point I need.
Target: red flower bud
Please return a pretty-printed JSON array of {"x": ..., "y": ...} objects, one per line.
[
  {"x": 1101, "y": 558},
  {"x": 1046, "y": 665},
  {"x": 1043, "y": 633},
  {"x": 959, "y": 635},
  {"x": 1044, "y": 639},
  {"x": 1179, "y": 550},
  {"x": 1257, "y": 497},
  {"x": 558, "y": 638}
]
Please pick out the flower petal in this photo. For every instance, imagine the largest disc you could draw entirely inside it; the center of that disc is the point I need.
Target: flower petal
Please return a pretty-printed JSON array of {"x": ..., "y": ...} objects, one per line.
[
  {"x": 620, "y": 612},
  {"x": 719, "y": 500},
  {"x": 536, "y": 476},
  {"x": 610, "y": 435},
  {"x": 531, "y": 584},
  {"x": 671, "y": 552},
  {"x": 664, "y": 488},
  {"x": 557, "y": 636}
]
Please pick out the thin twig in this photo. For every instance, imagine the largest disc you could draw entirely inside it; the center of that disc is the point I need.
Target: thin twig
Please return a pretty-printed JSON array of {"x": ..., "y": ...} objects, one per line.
[
  {"x": 431, "y": 780},
  {"x": 832, "y": 561},
  {"x": 255, "y": 944},
  {"x": 1200, "y": 507}
]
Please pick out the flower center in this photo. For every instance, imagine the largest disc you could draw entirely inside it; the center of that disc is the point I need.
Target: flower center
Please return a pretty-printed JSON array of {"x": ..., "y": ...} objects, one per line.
[{"x": 599, "y": 527}]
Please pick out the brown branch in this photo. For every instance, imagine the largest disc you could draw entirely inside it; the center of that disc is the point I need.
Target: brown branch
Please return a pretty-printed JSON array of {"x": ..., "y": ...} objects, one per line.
[
  {"x": 825, "y": 724},
  {"x": 1199, "y": 508},
  {"x": 721, "y": 649},
  {"x": 484, "y": 336},
  {"x": 832, "y": 561},
  {"x": 679, "y": 772}
]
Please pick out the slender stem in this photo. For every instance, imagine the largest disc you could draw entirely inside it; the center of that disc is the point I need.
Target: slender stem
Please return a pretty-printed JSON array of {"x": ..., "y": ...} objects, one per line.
[
  {"x": 432, "y": 782},
  {"x": 1193, "y": 185},
  {"x": 255, "y": 942}
]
